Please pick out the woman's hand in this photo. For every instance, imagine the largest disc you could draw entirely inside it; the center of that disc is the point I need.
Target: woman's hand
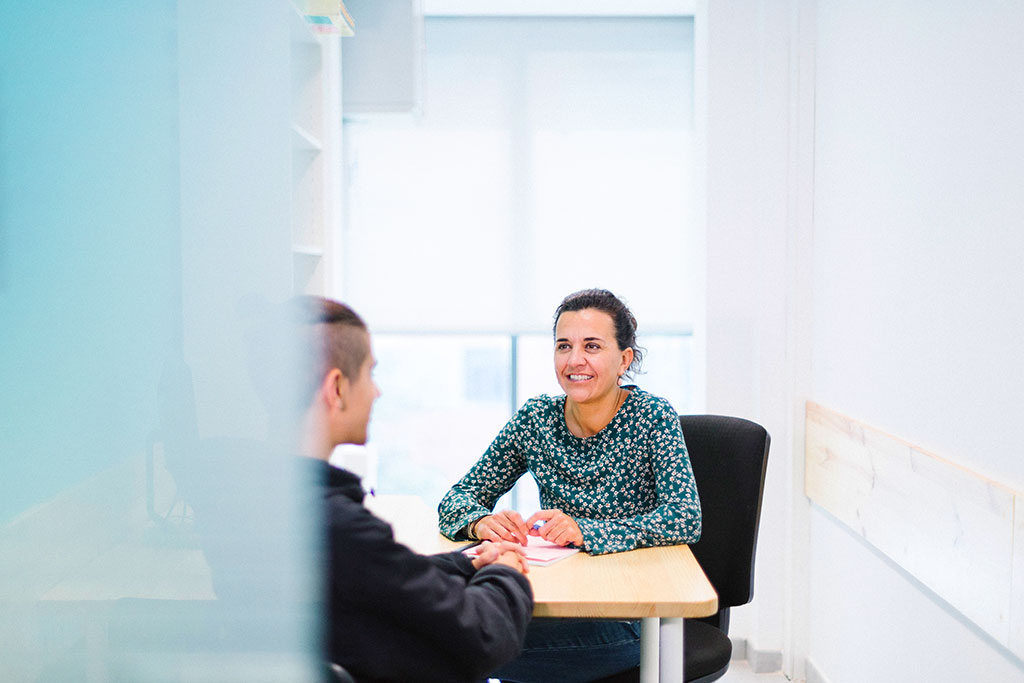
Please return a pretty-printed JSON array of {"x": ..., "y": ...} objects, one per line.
[
  {"x": 558, "y": 528},
  {"x": 503, "y": 552},
  {"x": 507, "y": 525}
]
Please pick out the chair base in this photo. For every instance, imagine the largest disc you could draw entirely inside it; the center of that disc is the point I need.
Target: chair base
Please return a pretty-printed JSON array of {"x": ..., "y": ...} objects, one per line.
[{"x": 627, "y": 676}]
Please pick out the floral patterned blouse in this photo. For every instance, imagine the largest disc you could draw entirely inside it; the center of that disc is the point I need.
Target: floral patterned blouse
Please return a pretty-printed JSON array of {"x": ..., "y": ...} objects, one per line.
[{"x": 628, "y": 486}]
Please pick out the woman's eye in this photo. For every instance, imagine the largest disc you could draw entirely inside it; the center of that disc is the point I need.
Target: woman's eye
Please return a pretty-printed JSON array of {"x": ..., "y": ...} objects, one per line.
[
  {"x": 561, "y": 347},
  {"x": 593, "y": 347}
]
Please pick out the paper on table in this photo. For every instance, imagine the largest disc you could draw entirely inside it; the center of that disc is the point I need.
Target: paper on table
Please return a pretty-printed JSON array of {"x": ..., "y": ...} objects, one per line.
[{"x": 539, "y": 552}]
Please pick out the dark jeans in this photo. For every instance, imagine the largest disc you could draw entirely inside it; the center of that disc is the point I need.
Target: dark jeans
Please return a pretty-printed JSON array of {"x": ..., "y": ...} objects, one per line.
[{"x": 574, "y": 651}]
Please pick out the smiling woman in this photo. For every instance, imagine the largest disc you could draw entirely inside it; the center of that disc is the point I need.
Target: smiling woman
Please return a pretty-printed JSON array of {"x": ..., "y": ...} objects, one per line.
[
  {"x": 609, "y": 459},
  {"x": 588, "y": 365},
  {"x": 612, "y": 469},
  {"x": 595, "y": 345}
]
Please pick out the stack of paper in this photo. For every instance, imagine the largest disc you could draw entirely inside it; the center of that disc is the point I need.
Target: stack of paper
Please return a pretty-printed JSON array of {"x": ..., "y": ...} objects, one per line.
[{"x": 538, "y": 552}]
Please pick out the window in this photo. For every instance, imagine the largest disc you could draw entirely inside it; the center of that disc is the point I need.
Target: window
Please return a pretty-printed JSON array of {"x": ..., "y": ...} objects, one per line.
[{"x": 552, "y": 155}]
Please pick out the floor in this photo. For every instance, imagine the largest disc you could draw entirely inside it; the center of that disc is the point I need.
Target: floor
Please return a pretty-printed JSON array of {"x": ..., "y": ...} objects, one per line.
[{"x": 740, "y": 672}]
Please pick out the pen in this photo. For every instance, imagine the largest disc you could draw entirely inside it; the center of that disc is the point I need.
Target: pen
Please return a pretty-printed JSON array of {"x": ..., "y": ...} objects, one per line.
[{"x": 538, "y": 524}]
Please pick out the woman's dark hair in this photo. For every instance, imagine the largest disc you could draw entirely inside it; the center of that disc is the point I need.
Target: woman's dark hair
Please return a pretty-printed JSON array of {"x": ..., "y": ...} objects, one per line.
[{"x": 622, "y": 319}]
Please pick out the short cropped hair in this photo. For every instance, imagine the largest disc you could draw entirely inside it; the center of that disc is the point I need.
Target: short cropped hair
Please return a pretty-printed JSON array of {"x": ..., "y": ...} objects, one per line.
[{"x": 338, "y": 337}]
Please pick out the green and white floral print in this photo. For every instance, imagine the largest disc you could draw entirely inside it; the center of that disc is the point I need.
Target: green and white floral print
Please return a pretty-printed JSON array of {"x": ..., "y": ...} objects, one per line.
[{"x": 628, "y": 486}]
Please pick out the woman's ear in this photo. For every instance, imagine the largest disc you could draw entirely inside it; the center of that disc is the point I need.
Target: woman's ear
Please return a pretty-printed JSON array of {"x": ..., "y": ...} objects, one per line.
[{"x": 627, "y": 360}]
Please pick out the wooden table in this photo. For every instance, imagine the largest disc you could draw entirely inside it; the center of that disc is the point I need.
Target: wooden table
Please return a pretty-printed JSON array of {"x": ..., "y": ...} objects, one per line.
[{"x": 652, "y": 584}]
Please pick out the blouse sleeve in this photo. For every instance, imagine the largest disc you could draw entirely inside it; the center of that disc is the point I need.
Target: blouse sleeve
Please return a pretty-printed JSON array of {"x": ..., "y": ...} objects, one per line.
[
  {"x": 676, "y": 517},
  {"x": 491, "y": 477}
]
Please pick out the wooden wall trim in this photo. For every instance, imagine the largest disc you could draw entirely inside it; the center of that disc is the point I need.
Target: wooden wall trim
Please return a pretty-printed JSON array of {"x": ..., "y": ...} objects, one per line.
[{"x": 950, "y": 528}]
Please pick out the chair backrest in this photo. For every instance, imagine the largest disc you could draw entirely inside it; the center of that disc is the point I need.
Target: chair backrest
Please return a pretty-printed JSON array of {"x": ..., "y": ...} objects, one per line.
[{"x": 729, "y": 456}]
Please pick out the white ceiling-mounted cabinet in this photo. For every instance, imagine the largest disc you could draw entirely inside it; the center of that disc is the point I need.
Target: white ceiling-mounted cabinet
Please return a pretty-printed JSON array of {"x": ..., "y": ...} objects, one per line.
[{"x": 382, "y": 65}]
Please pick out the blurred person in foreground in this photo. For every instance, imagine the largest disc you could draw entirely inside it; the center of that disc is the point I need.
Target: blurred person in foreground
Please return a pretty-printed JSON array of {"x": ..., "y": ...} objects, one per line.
[{"x": 392, "y": 614}]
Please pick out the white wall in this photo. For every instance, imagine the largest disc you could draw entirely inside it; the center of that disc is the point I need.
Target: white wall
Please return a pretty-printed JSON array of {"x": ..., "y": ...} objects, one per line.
[
  {"x": 742, "y": 109},
  {"x": 862, "y": 166},
  {"x": 918, "y": 308}
]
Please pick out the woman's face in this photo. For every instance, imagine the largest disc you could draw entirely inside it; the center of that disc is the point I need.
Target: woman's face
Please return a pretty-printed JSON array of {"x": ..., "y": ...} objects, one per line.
[{"x": 588, "y": 361}]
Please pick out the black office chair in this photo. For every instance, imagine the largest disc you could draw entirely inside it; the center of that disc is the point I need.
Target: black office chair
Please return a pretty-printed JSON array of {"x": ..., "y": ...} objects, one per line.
[
  {"x": 336, "y": 673},
  {"x": 729, "y": 456}
]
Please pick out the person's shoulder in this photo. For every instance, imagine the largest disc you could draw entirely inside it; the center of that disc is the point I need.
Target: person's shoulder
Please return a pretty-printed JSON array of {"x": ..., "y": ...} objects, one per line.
[
  {"x": 541, "y": 406},
  {"x": 339, "y": 483},
  {"x": 544, "y": 401},
  {"x": 647, "y": 401},
  {"x": 344, "y": 508},
  {"x": 357, "y": 537},
  {"x": 342, "y": 511}
]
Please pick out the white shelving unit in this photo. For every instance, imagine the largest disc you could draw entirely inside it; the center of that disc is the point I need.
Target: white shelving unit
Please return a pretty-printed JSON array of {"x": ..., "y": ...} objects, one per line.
[{"x": 316, "y": 158}]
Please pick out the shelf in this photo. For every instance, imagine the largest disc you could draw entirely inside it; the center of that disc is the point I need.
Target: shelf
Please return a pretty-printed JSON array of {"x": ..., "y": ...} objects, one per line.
[
  {"x": 314, "y": 133},
  {"x": 326, "y": 17},
  {"x": 305, "y": 141},
  {"x": 307, "y": 250},
  {"x": 308, "y": 273}
]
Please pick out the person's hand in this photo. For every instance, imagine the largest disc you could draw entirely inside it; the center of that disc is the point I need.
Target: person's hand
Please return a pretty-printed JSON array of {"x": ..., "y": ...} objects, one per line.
[
  {"x": 558, "y": 528},
  {"x": 503, "y": 552},
  {"x": 507, "y": 525}
]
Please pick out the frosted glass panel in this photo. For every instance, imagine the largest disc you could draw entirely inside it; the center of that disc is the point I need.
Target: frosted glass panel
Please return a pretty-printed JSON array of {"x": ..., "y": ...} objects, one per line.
[{"x": 145, "y": 532}]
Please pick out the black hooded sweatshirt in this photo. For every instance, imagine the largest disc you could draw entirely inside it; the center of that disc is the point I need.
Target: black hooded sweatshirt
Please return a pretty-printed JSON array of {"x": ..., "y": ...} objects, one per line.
[{"x": 395, "y": 615}]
